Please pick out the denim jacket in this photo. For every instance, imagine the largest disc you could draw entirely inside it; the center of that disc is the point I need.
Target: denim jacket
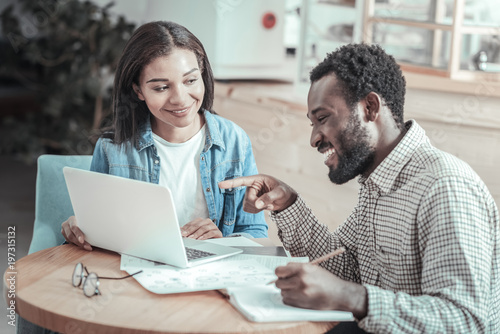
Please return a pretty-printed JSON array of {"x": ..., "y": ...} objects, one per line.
[{"x": 227, "y": 154}]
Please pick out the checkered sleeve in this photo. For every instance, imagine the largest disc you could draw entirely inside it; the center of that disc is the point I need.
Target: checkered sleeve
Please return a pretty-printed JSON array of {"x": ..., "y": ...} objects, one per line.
[
  {"x": 456, "y": 242},
  {"x": 302, "y": 235}
]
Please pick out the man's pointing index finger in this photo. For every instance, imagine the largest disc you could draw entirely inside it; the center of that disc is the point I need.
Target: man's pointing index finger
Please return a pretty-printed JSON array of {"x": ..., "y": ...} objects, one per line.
[{"x": 244, "y": 181}]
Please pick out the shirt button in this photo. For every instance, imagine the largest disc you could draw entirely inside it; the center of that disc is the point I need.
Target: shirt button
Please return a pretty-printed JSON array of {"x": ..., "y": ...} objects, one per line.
[
  {"x": 202, "y": 158},
  {"x": 208, "y": 190},
  {"x": 157, "y": 162}
]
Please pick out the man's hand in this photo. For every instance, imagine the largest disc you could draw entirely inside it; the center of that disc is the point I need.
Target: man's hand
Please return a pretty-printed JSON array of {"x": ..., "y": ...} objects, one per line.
[
  {"x": 310, "y": 286},
  {"x": 201, "y": 229},
  {"x": 72, "y": 233},
  {"x": 263, "y": 192}
]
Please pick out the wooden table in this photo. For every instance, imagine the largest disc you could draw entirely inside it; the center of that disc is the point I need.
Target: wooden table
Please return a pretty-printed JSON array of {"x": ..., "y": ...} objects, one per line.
[{"x": 45, "y": 296}]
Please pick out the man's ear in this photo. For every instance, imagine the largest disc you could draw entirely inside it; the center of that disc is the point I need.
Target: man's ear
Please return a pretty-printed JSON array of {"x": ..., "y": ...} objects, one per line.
[
  {"x": 137, "y": 90},
  {"x": 372, "y": 106}
]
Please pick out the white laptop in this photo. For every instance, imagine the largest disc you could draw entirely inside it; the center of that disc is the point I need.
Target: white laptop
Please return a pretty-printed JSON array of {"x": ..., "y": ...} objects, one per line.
[{"x": 135, "y": 218}]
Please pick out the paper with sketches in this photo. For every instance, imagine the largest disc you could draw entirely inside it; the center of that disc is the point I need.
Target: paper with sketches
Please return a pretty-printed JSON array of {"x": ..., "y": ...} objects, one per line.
[{"x": 164, "y": 279}]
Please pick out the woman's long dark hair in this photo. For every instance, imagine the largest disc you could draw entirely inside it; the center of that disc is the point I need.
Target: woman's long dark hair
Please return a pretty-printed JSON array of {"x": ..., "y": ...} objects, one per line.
[{"x": 148, "y": 42}]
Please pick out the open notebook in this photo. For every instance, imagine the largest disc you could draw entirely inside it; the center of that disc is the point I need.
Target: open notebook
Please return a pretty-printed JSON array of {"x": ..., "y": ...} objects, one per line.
[{"x": 263, "y": 303}]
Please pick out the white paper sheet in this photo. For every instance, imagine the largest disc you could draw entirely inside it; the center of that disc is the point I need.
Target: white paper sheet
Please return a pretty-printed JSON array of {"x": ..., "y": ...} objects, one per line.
[
  {"x": 234, "y": 242},
  {"x": 132, "y": 264},
  {"x": 270, "y": 262}
]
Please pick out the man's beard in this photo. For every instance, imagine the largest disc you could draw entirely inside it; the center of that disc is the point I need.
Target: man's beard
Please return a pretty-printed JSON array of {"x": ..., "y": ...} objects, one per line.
[{"x": 357, "y": 154}]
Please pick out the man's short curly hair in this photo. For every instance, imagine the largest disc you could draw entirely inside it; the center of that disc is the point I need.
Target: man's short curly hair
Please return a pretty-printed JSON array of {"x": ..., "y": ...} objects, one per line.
[{"x": 363, "y": 68}]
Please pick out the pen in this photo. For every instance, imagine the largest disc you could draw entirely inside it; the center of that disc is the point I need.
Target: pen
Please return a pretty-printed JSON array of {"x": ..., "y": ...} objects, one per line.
[{"x": 321, "y": 259}]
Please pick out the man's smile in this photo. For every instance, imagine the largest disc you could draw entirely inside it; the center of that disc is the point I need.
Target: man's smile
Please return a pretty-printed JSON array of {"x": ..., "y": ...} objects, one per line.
[{"x": 327, "y": 154}]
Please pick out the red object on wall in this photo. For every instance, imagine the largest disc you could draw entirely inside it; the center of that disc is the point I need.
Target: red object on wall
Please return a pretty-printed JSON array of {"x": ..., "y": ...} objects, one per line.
[{"x": 268, "y": 20}]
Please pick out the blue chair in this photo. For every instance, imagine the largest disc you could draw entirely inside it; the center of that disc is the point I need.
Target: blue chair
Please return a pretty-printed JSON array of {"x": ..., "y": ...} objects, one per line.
[{"x": 52, "y": 204}]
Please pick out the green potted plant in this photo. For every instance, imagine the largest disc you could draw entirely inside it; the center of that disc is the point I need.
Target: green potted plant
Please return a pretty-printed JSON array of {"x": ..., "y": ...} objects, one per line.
[{"x": 65, "y": 52}]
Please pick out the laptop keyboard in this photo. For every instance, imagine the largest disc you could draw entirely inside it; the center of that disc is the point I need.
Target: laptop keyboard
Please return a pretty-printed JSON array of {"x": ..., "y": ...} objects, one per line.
[{"x": 193, "y": 254}]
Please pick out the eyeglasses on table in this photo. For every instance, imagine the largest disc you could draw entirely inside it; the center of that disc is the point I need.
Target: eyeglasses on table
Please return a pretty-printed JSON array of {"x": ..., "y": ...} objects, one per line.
[{"x": 91, "y": 280}]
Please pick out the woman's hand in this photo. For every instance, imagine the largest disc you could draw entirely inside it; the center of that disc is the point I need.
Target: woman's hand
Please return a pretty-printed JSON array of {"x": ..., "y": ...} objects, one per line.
[
  {"x": 72, "y": 233},
  {"x": 201, "y": 229}
]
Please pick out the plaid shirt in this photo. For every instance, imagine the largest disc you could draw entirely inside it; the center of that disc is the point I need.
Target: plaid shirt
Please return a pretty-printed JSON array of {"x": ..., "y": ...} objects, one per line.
[{"x": 423, "y": 239}]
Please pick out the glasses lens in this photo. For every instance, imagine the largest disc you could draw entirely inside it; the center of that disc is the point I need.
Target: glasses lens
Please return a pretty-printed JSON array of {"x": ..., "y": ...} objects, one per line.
[
  {"x": 77, "y": 275},
  {"x": 91, "y": 285}
]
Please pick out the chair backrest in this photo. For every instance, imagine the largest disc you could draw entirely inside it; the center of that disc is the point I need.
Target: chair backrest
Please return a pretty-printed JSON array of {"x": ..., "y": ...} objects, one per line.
[{"x": 52, "y": 203}]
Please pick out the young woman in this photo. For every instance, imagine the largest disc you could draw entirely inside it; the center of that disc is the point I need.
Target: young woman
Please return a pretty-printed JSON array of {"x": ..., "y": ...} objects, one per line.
[{"x": 164, "y": 131}]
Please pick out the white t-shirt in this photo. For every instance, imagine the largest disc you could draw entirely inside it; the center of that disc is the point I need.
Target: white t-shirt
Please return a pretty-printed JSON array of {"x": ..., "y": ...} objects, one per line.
[{"x": 180, "y": 171}]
